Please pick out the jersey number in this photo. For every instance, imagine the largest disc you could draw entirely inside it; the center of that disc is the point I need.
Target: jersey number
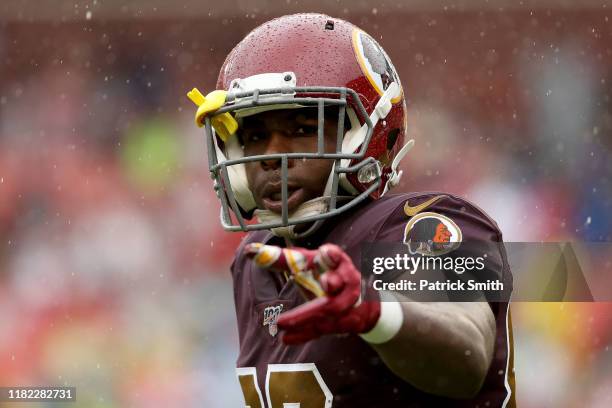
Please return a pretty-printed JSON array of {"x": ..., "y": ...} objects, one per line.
[{"x": 287, "y": 386}]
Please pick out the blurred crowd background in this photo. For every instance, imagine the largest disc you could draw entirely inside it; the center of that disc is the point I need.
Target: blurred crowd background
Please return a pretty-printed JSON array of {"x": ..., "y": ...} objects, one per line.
[{"x": 113, "y": 268}]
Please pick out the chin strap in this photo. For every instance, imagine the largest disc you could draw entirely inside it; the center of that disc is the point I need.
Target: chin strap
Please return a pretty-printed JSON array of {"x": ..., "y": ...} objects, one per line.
[
  {"x": 395, "y": 176},
  {"x": 311, "y": 207},
  {"x": 315, "y": 206}
]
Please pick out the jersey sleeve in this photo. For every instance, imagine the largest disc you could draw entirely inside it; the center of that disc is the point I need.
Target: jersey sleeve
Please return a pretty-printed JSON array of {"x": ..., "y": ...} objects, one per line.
[{"x": 461, "y": 235}]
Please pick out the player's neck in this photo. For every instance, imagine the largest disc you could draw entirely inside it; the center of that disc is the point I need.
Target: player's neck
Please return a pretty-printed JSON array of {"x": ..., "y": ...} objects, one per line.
[{"x": 314, "y": 240}]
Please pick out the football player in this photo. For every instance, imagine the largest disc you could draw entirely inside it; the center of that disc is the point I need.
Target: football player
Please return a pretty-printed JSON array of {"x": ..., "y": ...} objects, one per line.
[{"x": 305, "y": 133}]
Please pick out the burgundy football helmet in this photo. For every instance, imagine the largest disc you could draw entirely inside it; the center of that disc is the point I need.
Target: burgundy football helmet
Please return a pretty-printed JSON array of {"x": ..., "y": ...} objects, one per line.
[{"x": 306, "y": 60}]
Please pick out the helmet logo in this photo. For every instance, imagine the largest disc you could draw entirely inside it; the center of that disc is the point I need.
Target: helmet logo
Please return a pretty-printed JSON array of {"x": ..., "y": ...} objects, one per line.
[
  {"x": 431, "y": 234},
  {"x": 375, "y": 63}
]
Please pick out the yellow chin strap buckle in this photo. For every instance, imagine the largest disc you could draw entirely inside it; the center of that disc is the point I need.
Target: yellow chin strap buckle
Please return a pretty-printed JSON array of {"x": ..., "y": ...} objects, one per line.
[{"x": 224, "y": 124}]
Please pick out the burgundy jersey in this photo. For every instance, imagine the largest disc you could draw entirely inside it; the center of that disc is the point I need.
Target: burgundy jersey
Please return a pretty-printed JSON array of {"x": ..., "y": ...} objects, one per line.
[{"x": 343, "y": 371}]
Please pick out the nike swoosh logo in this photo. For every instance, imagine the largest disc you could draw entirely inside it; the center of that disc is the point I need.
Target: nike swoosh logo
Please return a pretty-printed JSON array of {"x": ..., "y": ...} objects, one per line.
[{"x": 412, "y": 211}]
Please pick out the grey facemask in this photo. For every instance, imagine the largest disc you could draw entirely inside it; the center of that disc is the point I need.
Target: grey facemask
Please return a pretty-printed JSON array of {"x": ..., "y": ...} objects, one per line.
[{"x": 278, "y": 91}]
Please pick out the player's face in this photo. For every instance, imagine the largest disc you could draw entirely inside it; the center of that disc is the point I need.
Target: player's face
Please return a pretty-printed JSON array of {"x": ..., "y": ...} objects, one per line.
[{"x": 287, "y": 131}]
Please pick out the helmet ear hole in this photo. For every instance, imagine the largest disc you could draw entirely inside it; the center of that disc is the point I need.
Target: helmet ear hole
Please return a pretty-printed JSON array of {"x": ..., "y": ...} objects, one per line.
[
  {"x": 347, "y": 122},
  {"x": 392, "y": 138},
  {"x": 353, "y": 119}
]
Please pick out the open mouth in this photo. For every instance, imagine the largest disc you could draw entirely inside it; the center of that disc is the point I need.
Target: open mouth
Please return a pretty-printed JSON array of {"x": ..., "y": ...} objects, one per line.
[{"x": 274, "y": 201}]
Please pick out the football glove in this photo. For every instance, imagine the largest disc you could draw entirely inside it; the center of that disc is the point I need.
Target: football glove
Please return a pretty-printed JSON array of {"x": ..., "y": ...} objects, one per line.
[{"x": 331, "y": 282}]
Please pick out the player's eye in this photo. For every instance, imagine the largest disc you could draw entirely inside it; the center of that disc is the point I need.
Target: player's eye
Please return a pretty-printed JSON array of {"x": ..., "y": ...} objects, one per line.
[
  {"x": 306, "y": 130},
  {"x": 255, "y": 136}
]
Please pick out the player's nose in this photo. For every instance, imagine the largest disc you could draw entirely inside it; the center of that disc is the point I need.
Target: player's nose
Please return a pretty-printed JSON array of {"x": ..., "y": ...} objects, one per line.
[{"x": 278, "y": 143}]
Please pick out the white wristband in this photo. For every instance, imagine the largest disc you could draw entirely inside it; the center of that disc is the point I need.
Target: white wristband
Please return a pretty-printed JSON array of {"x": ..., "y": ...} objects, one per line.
[{"x": 390, "y": 321}]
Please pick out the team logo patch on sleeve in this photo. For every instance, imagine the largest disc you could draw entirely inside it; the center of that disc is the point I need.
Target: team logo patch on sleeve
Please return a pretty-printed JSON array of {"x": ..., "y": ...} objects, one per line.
[{"x": 431, "y": 234}]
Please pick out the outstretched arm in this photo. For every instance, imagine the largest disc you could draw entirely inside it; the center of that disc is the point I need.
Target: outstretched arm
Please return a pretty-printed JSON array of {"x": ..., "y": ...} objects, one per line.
[{"x": 443, "y": 348}]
